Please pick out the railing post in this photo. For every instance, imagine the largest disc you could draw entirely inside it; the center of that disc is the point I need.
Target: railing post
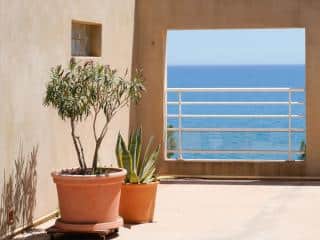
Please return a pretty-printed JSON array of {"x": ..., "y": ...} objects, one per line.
[
  {"x": 180, "y": 125},
  {"x": 289, "y": 124}
]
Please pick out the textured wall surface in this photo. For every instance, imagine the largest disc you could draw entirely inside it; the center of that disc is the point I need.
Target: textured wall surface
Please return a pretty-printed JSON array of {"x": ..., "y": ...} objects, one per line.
[
  {"x": 154, "y": 18},
  {"x": 36, "y": 35}
]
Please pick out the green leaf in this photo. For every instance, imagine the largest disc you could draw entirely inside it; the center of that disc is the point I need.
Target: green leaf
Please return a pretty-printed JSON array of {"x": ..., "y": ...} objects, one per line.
[
  {"x": 119, "y": 152},
  {"x": 145, "y": 157},
  {"x": 150, "y": 164},
  {"x": 135, "y": 145},
  {"x": 127, "y": 158}
]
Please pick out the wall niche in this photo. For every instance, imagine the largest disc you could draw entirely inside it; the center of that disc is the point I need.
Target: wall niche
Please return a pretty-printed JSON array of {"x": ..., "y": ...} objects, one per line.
[{"x": 86, "y": 39}]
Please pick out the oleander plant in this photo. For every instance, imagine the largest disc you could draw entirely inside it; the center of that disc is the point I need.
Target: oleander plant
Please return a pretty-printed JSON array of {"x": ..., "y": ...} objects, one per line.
[{"x": 90, "y": 89}]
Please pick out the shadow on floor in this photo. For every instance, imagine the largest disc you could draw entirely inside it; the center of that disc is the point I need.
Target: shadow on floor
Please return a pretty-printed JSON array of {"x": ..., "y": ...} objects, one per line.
[
  {"x": 70, "y": 236},
  {"x": 35, "y": 235},
  {"x": 195, "y": 181}
]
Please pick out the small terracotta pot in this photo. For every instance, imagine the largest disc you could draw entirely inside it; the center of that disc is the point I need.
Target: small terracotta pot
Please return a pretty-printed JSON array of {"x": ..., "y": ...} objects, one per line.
[
  {"x": 90, "y": 199},
  {"x": 138, "y": 202}
]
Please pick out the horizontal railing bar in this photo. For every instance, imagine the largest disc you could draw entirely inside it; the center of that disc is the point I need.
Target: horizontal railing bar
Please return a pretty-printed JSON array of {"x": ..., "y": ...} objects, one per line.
[
  {"x": 236, "y": 151},
  {"x": 236, "y": 129},
  {"x": 231, "y": 116},
  {"x": 235, "y": 89},
  {"x": 235, "y": 103}
]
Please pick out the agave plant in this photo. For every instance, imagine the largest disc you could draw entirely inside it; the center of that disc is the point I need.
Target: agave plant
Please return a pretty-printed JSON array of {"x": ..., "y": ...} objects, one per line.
[{"x": 141, "y": 167}]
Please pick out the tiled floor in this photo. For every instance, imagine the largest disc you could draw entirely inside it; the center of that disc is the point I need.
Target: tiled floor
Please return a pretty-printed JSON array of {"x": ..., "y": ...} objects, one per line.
[{"x": 228, "y": 210}]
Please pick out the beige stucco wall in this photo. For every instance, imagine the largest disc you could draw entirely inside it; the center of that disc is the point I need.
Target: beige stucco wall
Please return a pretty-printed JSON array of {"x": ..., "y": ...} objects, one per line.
[
  {"x": 36, "y": 35},
  {"x": 154, "y": 18}
]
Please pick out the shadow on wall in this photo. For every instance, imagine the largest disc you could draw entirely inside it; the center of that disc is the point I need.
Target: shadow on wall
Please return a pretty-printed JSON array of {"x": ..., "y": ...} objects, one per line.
[{"x": 18, "y": 199}]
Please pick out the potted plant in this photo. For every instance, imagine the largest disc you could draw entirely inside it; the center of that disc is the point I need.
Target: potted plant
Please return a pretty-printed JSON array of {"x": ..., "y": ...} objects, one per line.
[
  {"x": 89, "y": 196},
  {"x": 138, "y": 193}
]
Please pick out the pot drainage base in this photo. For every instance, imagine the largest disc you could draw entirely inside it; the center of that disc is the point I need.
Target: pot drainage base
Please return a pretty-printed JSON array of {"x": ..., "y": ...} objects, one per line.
[{"x": 100, "y": 229}]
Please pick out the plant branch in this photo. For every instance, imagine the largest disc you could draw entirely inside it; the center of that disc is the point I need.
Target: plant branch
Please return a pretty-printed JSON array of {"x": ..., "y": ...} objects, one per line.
[
  {"x": 104, "y": 131},
  {"x": 82, "y": 153},
  {"x": 95, "y": 155},
  {"x": 116, "y": 110},
  {"x": 74, "y": 138},
  {"x": 98, "y": 144},
  {"x": 96, "y": 112}
]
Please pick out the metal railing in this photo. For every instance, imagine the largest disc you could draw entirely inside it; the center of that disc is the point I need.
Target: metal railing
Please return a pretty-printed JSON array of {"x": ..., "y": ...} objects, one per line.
[{"x": 179, "y": 129}]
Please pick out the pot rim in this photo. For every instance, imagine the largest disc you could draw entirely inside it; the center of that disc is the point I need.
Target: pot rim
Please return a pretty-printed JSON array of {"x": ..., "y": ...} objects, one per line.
[
  {"x": 119, "y": 173},
  {"x": 141, "y": 184}
]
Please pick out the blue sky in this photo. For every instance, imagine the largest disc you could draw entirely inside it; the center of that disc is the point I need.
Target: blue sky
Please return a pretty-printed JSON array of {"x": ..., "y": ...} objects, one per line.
[{"x": 233, "y": 47}]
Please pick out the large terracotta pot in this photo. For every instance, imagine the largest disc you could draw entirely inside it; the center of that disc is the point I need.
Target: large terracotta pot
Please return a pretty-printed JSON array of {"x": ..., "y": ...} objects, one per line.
[
  {"x": 89, "y": 201},
  {"x": 138, "y": 202}
]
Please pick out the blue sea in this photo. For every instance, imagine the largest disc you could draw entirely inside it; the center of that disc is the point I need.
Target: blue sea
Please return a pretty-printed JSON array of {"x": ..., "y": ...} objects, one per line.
[{"x": 239, "y": 76}]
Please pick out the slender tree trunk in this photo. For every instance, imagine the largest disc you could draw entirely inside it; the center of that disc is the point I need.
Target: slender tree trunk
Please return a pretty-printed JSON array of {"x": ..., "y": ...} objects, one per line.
[
  {"x": 74, "y": 138},
  {"x": 98, "y": 144},
  {"x": 96, "y": 154}
]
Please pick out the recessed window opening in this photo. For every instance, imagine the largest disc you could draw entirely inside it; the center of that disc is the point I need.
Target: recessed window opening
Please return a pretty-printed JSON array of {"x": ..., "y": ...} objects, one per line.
[
  {"x": 236, "y": 94},
  {"x": 86, "y": 39}
]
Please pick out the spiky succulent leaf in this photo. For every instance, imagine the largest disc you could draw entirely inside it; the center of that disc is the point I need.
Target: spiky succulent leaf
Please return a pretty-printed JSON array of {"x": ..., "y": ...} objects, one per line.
[
  {"x": 135, "y": 146},
  {"x": 141, "y": 170},
  {"x": 125, "y": 160},
  {"x": 144, "y": 159},
  {"x": 119, "y": 152},
  {"x": 150, "y": 164},
  {"x": 126, "y": 157}
]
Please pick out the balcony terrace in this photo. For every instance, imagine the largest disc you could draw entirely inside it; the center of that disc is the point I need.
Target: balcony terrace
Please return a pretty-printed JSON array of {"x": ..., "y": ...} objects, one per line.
[
  {"x": 226, "y": 209},
  {"x": 197, "y": 198}
]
